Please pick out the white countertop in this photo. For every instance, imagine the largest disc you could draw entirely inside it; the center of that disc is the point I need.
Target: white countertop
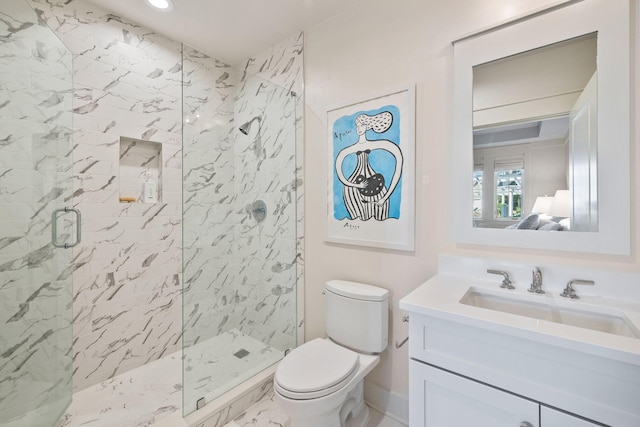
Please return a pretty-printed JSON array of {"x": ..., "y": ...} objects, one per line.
[{"x": 440, "y": 297}]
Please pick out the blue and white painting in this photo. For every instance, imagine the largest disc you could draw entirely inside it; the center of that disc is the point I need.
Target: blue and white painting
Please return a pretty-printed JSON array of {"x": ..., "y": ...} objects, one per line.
[
  {"x": 367, "y": 157},
  {"x": 371, "y": 172}
]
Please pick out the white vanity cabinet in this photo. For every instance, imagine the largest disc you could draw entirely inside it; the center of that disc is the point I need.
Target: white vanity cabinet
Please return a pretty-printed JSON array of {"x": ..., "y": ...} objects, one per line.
[
  {"x": 483, "y": 356},
  {"x": 440, "y": 398},
  {"x": 466, "y": 372}
]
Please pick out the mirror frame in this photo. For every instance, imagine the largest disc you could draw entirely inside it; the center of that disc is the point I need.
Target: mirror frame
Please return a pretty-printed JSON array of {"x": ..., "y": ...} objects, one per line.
[{"x": 611, "y": 20}]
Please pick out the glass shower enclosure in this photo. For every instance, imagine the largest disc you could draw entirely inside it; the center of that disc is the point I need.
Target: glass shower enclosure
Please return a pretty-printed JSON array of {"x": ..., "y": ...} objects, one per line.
[
  {"x": 37, "y": 226},
  {"x": 239, "y": 227}
]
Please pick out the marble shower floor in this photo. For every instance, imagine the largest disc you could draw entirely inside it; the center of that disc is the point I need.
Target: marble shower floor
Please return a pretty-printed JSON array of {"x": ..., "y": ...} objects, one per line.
[
  {"x": 148, "y": 394},
  {"x": 206, "y": 367},
  {"x": 136, "y": 398}
]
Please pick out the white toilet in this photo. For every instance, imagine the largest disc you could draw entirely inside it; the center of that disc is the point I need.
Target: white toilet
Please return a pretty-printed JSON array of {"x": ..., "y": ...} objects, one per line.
[{"x": 320, "y": 383}]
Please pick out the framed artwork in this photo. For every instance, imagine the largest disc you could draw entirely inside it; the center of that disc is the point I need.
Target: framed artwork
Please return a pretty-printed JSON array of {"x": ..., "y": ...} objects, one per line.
[{"x": 371, "y": 170}]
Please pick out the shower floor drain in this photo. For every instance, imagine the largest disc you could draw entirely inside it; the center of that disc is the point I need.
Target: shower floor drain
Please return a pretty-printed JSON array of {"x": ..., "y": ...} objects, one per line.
[{"x": 241, "y": 353}]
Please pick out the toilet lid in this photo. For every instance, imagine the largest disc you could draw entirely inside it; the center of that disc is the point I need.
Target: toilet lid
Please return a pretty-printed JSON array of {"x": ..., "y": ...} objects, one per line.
[{"x": 316, "y": 365}]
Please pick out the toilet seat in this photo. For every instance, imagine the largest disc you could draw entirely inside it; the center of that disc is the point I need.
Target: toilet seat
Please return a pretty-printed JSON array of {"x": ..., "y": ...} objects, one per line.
[{"x": 315, "y": 369}]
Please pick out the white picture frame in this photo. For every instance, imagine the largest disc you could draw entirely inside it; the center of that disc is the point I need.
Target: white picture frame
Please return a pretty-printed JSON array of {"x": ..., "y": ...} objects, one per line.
[{"x": 370, "y": 194}]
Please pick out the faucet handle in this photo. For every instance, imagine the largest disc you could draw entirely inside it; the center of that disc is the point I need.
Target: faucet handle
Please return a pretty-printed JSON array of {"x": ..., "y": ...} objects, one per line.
[
  {"x": 569, "y": 292},
  {"x": 506, "y": 283},
  {"x": 536, "y": 281}
]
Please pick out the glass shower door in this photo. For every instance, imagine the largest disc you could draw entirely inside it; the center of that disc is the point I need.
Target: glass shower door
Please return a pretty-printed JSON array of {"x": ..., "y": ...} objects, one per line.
[
  {"x": 35, "y": 188},
  {"x": 239, "y": 229}
]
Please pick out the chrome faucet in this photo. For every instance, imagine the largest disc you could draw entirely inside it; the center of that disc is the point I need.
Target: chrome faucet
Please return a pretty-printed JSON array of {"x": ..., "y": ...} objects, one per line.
[
  {"x": 569, "y": 292},
  {"x": 506, "y": 282},
  {"x": 536, "y": 281}
]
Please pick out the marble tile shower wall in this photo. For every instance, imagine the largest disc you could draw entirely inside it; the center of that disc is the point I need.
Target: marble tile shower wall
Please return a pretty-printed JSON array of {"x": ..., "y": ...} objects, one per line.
[
  {"x": 209, "y": 196},
  {"x": 126, "y": 82},
  {"x": 270, "y": 252},
  {"x": 240, "y": 273},
  {"x": 35, "y": 142}
]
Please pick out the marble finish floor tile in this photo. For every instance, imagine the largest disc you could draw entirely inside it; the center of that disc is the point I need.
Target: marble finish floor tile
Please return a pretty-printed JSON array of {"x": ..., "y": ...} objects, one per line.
[
  {"x": 151, "y": 395},
  {"x": 267, "y": 413},
  {"x": 262, "y": 414}
]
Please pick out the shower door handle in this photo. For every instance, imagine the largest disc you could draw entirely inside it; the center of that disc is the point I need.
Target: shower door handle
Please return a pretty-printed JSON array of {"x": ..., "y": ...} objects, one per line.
[{"x": 54, "y": 227}]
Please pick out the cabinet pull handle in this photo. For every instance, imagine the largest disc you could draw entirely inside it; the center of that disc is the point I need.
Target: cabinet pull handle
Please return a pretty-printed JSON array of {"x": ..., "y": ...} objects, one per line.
[{"x": 526, "y": 424}]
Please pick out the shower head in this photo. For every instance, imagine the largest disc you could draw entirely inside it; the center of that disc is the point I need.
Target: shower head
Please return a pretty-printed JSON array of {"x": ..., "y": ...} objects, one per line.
[{"x": 247, "y": 126}]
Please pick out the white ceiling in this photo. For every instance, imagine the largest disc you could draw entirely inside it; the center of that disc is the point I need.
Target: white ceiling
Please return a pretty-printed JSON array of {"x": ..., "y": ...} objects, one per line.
[{"x": 229, "y": 30}]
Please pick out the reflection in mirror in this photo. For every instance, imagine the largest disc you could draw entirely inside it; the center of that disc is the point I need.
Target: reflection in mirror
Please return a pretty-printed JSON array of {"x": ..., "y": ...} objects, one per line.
[
  {"x": 535, "y": 139},
  {"x": 598, "y": 201}
]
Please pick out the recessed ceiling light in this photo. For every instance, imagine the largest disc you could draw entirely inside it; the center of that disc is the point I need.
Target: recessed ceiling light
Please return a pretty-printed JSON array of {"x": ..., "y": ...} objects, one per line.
[{"x": 164, "y": 5}]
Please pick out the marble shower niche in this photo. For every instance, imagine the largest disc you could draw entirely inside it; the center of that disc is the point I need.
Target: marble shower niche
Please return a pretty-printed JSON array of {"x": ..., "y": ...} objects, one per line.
[{"x": 140, "y": 170}]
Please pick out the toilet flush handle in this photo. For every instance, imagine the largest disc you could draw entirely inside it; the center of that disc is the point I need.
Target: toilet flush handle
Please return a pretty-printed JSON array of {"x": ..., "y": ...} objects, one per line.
[
  {"x": 404, "y": 341},
  {"x": 405, "y": 319}
]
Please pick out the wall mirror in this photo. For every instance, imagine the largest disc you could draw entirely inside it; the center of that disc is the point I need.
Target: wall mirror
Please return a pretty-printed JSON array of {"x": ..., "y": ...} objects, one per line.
[
  {"x": 531, "y": 139},
  {"x": 540, "y": 155}
]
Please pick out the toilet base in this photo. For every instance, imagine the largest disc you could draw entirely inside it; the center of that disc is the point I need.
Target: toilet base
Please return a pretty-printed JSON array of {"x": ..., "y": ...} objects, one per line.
[
  {"x": 353, "y": 413},
  {"x": 360, "y": 420}
]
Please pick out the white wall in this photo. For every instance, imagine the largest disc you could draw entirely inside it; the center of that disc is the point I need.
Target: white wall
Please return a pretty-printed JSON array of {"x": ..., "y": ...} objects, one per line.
[
  {"x": 548, "y": 172},
  {"x": 365, "y": 50}
]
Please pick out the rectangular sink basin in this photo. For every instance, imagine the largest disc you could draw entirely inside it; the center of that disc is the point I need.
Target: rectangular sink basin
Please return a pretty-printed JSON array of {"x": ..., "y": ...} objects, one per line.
[{"x": 608, "y": 320}]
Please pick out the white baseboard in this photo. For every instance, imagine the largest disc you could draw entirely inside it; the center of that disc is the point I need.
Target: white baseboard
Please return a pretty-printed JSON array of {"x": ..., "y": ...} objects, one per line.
[{"x": 389, "y": 403}]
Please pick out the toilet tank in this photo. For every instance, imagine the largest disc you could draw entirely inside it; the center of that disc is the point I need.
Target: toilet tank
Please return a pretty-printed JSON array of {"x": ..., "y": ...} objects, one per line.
[{"x": 357, "y": 315}]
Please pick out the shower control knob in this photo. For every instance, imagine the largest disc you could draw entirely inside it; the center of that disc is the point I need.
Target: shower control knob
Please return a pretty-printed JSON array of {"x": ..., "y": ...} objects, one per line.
[
  {"x": 526, "y": 424},
  {"x": 259, "y": 210}
]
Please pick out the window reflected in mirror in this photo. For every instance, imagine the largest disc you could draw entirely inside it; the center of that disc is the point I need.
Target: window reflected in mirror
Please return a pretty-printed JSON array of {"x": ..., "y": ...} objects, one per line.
[{"x": 508, "y": 194}]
